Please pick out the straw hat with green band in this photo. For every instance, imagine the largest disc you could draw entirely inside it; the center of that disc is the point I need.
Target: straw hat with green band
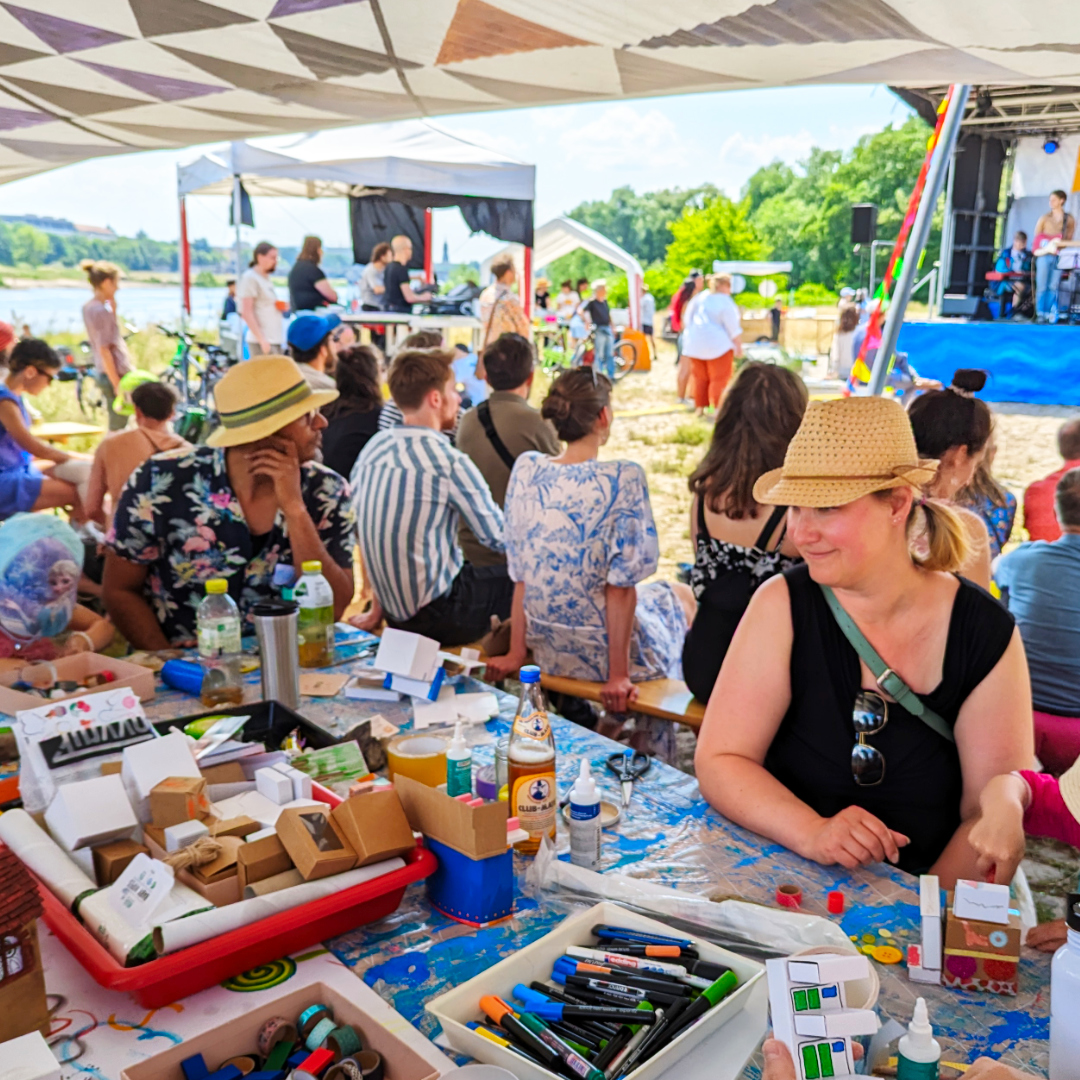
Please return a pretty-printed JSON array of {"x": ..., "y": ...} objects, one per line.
[
  {"x": 261, "y": 396},
  {"x": 845, "y": 449},
  {"x": 1069, "y": 787}
]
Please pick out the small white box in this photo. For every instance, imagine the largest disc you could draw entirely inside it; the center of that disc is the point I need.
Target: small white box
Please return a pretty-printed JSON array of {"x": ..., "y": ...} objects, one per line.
[
  {"x": 185, "y": 833},
  {"x": 28, "y": 1058},
  {"x": 981, "y": 900},
  {"x": 301, "y": 782},
  {"x": 930, "y": 911},
  {"x": 88, "y": 812},
  {"x": 827, "y": 968},
  {"x": 274, "y": 786},
  {"x": 412, "y": 656},
  {"x": 147, "y": 764}
]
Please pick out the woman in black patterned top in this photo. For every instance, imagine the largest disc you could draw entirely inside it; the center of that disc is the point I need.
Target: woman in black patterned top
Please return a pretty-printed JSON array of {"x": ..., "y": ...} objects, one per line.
[{"x": 738, "y": 543}]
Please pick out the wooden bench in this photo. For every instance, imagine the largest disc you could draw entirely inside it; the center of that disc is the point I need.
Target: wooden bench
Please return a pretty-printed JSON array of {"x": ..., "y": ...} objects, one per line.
[{"x": 668, "y": 699}]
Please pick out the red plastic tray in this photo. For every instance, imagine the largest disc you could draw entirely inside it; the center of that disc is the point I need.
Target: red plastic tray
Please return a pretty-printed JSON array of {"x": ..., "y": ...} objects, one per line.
[{"x": 169, "y": 978}]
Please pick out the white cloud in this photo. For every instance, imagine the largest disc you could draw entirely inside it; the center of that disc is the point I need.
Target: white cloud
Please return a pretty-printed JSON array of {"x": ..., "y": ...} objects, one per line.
[{"x": 624, "y": 138}]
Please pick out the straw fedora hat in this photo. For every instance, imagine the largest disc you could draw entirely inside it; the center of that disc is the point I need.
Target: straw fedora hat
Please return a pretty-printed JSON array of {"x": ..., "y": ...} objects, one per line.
[
  {"x": 845, "y": 449},
  {"x": 1069, "y": 786},
  {"x": 261, "y": 396}
]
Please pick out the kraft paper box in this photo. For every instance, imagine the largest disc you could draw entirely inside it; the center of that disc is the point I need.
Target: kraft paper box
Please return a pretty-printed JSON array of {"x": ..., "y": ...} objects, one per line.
[
  {"x": 219, "y": 893},
  {"x": 231, "y": 772},
  {"x": 315, "y": 842},
  {"x": 238, "y": 826},
  {"x": 981, "y": 955},
  {"x": 224, "y": 866},
  {"x": 258, "y": 860},
  {"x": 111, "y": 859},
  {"x": 178, "y": 798},
  {"x": 375, "y": 825},
  {"x": 476, "y": 831}
]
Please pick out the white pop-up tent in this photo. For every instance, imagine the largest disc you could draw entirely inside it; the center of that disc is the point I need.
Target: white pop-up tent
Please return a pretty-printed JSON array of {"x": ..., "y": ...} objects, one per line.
[
  {"x": 562, "y": 235},
  {"x": 413, "y": 163}
]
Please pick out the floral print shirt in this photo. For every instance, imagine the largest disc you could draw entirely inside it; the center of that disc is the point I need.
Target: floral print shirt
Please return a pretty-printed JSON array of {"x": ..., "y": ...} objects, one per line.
[{"x": 179, "y": 515}]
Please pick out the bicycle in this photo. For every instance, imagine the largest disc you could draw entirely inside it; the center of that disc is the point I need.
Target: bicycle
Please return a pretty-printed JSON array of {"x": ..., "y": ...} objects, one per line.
[
  {"x": 80, "y": 371},
  {"x": 193, "y": 381},
  {"x": 624, "y": 353}
]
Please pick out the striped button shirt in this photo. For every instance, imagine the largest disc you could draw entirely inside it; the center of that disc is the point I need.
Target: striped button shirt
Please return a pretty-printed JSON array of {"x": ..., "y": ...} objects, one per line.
[{"x": 410, "y": 490}]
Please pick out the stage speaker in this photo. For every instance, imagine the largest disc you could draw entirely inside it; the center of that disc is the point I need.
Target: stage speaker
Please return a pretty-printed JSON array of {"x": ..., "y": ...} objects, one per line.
[
  {"x": 974, "y": 308},
  {"x": 863, "y": 223}
]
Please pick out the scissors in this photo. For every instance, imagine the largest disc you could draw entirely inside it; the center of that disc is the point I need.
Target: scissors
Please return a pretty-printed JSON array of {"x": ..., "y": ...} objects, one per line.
[{"x": 628, "y": 766}]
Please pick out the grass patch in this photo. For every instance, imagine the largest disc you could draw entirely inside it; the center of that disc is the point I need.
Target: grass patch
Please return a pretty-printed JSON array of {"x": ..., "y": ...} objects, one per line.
[{"x": 692, "y": 434}]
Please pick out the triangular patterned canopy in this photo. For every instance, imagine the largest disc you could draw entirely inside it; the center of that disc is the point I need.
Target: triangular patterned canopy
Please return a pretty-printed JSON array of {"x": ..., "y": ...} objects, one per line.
[{"x": 81, "y": 80}]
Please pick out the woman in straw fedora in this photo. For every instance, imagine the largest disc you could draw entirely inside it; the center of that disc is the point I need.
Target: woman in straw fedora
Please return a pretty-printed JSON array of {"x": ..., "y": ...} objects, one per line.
[
  {"x": 800, "y": 741},
  {"x": 252, "y": 497}
]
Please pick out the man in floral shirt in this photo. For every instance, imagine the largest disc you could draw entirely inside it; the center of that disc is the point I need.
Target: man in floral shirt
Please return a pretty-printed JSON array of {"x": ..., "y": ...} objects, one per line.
[{"x": 252, "y": 498}]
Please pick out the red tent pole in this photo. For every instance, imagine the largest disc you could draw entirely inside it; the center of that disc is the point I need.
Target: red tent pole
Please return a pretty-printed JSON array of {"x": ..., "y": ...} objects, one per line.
[
  {"x": 185, "y": 260},
  {"x": 429, "y": 255},
  {"x": 527, "y": 285}
]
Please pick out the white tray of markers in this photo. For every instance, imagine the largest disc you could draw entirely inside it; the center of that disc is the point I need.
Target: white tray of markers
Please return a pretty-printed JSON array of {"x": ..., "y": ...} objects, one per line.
[{"x": 456, "y": 1008}]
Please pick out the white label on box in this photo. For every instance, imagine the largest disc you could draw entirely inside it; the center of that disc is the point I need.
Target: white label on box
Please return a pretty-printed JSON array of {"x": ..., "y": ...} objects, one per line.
[
  {"x": 981, "y": 900},
  {"x": 141, "y": 889}
]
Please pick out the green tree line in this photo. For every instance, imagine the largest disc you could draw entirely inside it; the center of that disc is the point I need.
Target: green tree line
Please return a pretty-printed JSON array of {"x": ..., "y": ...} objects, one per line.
[{"x": 800, "y": 213}]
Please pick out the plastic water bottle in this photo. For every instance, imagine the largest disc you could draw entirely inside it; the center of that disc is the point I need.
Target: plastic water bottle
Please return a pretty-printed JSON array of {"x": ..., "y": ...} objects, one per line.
[
  {"x": 316, "y": 630},
  {"x": 458, "y": 765},
  {"x": 1065, "y": 999},
  {"x": 218, "y": 620},
  {"x": 534, "y": 798},
  {"x": 918, "y": 1052},
  {"x": 585, "y": 820}
]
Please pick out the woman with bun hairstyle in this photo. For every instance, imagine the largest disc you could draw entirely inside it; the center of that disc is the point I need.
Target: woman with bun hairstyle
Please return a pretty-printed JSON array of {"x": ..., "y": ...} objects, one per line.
[
  {"x": 111, "y": 359},
  {"x": 953, "y": 427},
  {"x": 801, "y": 742},
  {"x": 580, "y": 538}
]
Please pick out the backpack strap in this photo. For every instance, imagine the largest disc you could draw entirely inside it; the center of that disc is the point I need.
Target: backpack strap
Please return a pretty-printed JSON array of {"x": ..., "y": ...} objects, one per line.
[
  {"x": 483, "y": 413},
  {"x": 884, "y": 676}
]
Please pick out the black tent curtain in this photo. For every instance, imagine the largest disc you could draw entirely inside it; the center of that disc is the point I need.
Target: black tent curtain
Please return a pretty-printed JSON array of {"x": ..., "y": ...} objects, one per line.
[{"x": 388, "y": 212}]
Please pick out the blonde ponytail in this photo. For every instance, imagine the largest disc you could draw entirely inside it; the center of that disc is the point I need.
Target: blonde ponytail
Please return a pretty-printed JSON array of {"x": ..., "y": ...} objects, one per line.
[
  {"x": 99, "y": 271},
  {"x": 944, "y": 545}
]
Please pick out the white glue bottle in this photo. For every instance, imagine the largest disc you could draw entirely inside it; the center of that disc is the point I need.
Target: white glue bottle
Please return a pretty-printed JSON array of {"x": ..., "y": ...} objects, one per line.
[
  {"x": 918, "y": 1052},
  {"x": 585, "y": 820},
  {"x": 1065, "y": 999},
  {"x": 458, "y": 765}
]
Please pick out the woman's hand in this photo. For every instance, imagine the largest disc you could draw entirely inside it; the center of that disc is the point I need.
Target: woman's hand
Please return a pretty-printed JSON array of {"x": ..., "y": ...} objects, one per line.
[
  {"x": 503, "y": 667},
  {"x": 997, "y": 837},
  {"x": 852, "y": 838},
  {"x": 1048, "y": 936},
  {"x": 985, "y": 1068},
  {"x": 617, "y": 693},
  {"x": 370, "y": 619}
]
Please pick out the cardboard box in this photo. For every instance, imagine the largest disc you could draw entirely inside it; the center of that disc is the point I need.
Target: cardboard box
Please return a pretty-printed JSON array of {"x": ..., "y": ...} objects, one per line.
[
  {"x": 375, "y": 826},
  {"x": 28, "y": 1058},
  {"x": 260, "y": 859},
  {"x": 380, "y": 1029},
  {"x": 455, "y": 1008},
  {"x": 315, "y": 842},
  {"x": 476, "y": 831},
  {"x": 224, "y": 865},
  {"x": 111, "y": 768},
  {"x": 148, "y": 763},
  {"x": 980, "y": 955},
  {"x": 111, "y": 859},
  {"x": 230, "y": 773},
  {"x": 89, "y": 812},
  {"x": 410, "y": 655},
  {"x": 75, "y": 669},
  {"x": 178, "y": 798},
  {"x": 185, "y": 832},
  {"x": 275, "y": 786},
  {"x": 237, "y": 826},
  {"x": 219, "y": 893}
]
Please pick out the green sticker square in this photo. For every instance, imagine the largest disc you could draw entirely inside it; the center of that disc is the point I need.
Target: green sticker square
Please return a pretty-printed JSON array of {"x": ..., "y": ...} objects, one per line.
[
  {"x": 810, "y": 1063},
  {"x": 799, "y": 998},
  {"x": 813, "y": 998},
  {"x": 825, "y": 1053}
]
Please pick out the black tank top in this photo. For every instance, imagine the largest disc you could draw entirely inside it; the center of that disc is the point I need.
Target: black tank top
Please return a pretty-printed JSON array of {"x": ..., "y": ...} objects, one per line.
[{"x": 811, "y": 754}]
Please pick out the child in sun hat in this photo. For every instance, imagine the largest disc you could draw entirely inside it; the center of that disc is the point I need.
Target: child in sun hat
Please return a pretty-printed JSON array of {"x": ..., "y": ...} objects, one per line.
[{"x": 1020, "y": 804}]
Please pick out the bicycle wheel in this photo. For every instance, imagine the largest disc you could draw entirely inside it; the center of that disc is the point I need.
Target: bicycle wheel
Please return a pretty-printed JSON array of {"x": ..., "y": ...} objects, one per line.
[
  {"x": 625, "y": 354},
  {"x": 90, "y": 398}
]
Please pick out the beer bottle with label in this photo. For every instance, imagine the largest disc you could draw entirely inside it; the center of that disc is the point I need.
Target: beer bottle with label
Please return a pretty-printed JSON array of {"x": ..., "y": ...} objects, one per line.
[{"x": 534, "y": 799}]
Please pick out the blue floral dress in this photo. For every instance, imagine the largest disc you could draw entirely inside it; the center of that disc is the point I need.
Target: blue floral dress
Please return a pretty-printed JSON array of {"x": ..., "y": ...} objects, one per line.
[
  {"x": 999, "y": 519},
  {"x": 179, "y": 515},
  {"x": 20, "y": 482},
  {"x": 571, "y": 530}
]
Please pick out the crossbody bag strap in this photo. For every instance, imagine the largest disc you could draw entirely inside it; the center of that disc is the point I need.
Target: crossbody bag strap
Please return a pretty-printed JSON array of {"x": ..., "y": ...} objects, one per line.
[
  {"x": 762, "y": 542},
  {"x": 884, "y": 676},
  {"x": 483, "y": 413}
]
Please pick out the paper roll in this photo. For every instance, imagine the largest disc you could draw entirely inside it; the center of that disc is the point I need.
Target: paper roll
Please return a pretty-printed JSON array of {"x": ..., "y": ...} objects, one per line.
[
  {"x": 195, "y": 928},
  {"x": 273, "y": 884},
  {"x": 132, "y": 945},
  {"x": 45, "y": 857}
]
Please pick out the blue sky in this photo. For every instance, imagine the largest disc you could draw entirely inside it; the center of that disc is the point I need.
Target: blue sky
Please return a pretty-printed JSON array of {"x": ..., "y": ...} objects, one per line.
[{"x": 581, "y": 152}]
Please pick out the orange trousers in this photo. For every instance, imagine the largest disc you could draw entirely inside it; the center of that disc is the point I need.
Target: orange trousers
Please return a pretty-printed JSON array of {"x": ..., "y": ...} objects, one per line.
[{"x": 711, "y": 378}]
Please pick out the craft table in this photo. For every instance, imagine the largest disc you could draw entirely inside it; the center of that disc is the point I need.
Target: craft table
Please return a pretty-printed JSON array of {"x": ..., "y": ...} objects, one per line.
[
  {"x": 59, "y": 431},
  {"x": 669, "y": 835}
]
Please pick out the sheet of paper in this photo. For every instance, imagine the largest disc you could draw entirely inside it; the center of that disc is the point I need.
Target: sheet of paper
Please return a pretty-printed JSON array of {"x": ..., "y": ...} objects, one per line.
[
  {"x": 319, "y": 684},
  {"x": 141, "y": 889}
]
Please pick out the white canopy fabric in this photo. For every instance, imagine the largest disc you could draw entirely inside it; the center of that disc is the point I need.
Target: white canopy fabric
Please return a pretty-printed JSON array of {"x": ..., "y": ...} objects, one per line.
[
  {"x": 81, "y": 80},
  {"x": 750, "y": 268},
  {"x": 562, "y": 235},
  {"x": 414, "y": 156}
]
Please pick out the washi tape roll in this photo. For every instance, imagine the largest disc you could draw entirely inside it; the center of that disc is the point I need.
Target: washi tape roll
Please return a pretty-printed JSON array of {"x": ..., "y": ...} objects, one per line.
[
  {"x": 371, "y": 1064},
  {"x": 312, "y": 1016},
  {"x": 277, "y": 1029},
  {"x": 346, "y": 1069},
  {"x": 319, "y": 1033},
  {"x": 789, "y": 896},
  {"x": 343, "y": 1041},
  {"x": 245, "y": 1063}
]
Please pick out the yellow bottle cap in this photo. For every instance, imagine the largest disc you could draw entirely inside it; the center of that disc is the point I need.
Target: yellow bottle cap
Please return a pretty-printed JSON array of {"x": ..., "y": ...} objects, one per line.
[
  {"x": 312, "y": 566},
  {"x": 216, "y": 586}
]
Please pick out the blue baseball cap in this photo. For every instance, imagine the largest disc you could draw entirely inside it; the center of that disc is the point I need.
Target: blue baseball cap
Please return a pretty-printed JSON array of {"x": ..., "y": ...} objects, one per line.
[{"x": 306, "y": 331}]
